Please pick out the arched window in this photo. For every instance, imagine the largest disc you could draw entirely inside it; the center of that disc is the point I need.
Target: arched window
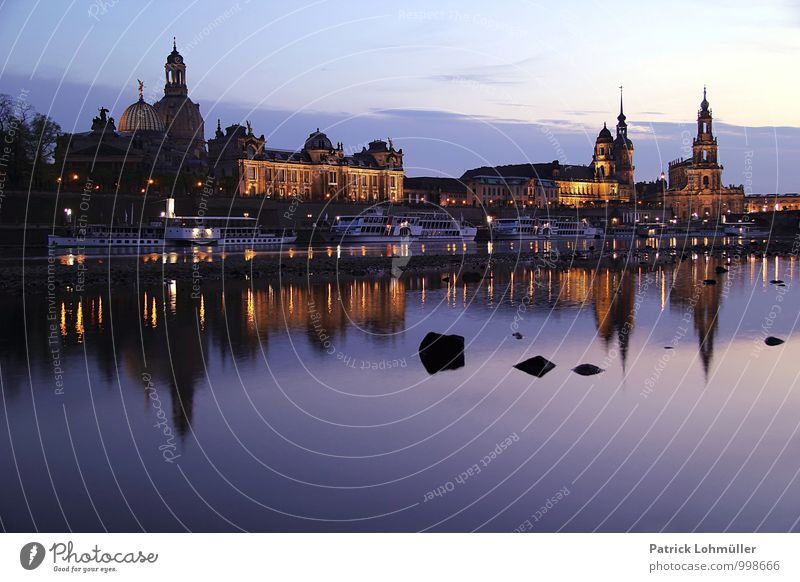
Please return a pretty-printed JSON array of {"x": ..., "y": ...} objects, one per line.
[{"x": 705, "y": 181}]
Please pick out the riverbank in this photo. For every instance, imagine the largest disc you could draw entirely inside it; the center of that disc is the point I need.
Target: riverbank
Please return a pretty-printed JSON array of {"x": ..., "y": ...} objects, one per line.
[{"x": 79, "y": 273}]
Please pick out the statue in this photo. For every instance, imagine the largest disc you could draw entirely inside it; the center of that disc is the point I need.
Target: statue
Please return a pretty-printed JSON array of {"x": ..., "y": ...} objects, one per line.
[
  {"x": 141, "y": 90},
  {"x": 103, "y": 112},
  {"x": 391, "y": 145},
  {"x": 249, "y": 128}
]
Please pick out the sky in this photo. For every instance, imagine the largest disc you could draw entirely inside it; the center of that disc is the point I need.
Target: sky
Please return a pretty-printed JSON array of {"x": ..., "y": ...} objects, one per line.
[{"x": 456, "y": 84}]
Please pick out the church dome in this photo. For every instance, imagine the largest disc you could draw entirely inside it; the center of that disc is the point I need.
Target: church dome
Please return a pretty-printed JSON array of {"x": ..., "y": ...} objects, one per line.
[
  {"x": 605, "y": 135},
  {"x": 140, "y": 116},
  {"x": 318, "y": 141},
  {"x": 180, "y": 116}
]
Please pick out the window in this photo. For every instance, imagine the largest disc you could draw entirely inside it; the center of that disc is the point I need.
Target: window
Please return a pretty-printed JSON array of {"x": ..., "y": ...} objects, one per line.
[
  {"x": 294, "y": 176},
  {"x": 282, "y": 175},
  {"x": 393, "y": 182},
  {"x": 332, "y": 178},
  {"x": 305, "y": 177},
  {"x": 251, "y": 171},
  {"x": 705, "y": 181}
]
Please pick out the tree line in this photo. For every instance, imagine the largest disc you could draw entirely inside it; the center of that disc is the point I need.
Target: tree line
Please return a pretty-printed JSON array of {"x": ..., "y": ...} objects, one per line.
[{"x": 27, "y": 145}]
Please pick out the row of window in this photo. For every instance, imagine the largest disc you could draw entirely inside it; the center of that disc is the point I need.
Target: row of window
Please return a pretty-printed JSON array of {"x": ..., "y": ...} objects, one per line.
[{"x": 293, "y": 175}]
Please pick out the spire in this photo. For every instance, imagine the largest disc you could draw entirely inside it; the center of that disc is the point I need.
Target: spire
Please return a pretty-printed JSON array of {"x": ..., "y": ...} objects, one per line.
[
  {"x": 174, "y": 44},
  {"x": 621, "y": 116},
  {"x": 704, "y": 102}
]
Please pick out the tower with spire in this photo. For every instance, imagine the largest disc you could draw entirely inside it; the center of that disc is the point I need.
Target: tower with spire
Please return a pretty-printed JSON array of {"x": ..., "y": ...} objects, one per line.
[
  {"x": 179, "y": 114},
  {"x": 623, "y": 149},
  {"x": 695, "y": 184}
]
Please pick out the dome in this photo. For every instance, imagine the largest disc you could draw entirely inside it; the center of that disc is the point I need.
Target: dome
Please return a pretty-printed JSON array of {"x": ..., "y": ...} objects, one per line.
[
  {"x": 605, "y": 135},
  {"x": 174, "y": 58},
  {"x": 318, "y": 141},
  {"x": 180, "y": 117},
  {"x": 378, "y": 145},
  {"x": 140, "y": 116}
]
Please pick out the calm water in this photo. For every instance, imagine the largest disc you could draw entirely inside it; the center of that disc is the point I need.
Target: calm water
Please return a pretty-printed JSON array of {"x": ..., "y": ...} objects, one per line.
[{"x": 259, "y": 407}]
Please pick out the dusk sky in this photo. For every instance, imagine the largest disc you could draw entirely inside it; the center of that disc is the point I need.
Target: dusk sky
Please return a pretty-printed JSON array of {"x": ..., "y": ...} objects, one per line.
[{"x": 456, "y": 84}]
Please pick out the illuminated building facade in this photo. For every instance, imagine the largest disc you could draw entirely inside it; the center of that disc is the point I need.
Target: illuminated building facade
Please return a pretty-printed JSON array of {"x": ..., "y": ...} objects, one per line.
[
  {"x": 609, "y": 178},
  {"x": 242, "y": 164},
  {"x": 695, "y": 184}
]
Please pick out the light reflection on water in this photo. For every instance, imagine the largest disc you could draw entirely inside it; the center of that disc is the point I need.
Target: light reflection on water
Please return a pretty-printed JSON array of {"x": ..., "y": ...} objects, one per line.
[{"x": 297, "y": 408}]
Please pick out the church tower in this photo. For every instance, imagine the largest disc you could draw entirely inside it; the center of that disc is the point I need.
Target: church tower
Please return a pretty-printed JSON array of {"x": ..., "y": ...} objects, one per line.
[
  {"x": 175, "y": 70},
  {"x": 704, "y": 150},
  {"x": 603, "y": 161},
  {"x": 623, "y": 149},
  {"x": 179, "y": 114}
]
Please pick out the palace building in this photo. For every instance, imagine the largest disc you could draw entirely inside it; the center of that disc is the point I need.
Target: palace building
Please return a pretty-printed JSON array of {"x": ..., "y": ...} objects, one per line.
[
  {"x": 695, "y": 184},
  {"x": 242, "y": 164},
  {"x": 608, "y": 179}
]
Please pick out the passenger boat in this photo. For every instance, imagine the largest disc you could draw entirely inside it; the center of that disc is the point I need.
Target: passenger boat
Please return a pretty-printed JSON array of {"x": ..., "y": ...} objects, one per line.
[
  {"x": 171, "y": 230},
  {"x": 745, "y": 230},
  {"x": 374, "y": 225},
  {"x": 529, "y": 228}
]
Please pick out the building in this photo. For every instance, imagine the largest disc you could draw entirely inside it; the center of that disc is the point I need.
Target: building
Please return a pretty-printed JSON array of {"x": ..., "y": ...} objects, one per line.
[
  {"x": 179, "y": 114},
  {"x": 771, "y": 202},
  {"x": 157, "y": 147},
  {"x": 608, "y": 179},
  {"x": 161, "y": 148},
  {"x": 695, "y": 184},
  {"x": 241, "y": 163},
  {"x": 436, "y": 190}
]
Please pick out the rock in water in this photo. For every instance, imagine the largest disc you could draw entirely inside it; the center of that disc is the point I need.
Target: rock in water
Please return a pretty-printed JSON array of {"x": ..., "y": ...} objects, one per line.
[
  {"x": 471, "y": 278},
  {"x": 440, "y": 352},
  {"x": 709, "y": 281},
  {"x": 587, "y": 369},
  {"x": 776, "y": 281},
  {"x": 721, "y": 270},
  {"x": 536, "y": 366},
  {"x": 773, "y": 341},
  {"x": 517, "y": 335}
]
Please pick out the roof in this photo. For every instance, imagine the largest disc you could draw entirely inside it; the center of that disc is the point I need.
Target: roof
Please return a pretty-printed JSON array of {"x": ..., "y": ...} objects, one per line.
[
  {"x": 435, "y": 183},
  {"x": 538, "y": 171}
]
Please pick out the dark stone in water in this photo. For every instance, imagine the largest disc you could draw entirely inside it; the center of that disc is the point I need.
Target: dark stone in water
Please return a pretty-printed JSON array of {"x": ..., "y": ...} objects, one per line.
[
  {"x": 773, "y": 341},
  {"x": 471, "y": 277},
  {"x": 517, "y": 335},
  {"x": 587, "y": 369},
  {"x": 440, "y": 352},
  {"x": 776, "y": 281},
  {"x": 721, "y": 270},
  {"x": 709, "y": 281},
  {"x": 669, "y": 348},
  {"x": 536, "y": 366}
]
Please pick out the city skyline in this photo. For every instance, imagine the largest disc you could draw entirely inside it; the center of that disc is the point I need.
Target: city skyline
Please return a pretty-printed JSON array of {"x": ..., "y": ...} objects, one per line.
[{"x": 441, "y": 135}]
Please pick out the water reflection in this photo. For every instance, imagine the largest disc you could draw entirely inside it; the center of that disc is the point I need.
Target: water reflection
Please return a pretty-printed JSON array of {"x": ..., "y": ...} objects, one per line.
[
  {"x": 167, "y": 327},
  {"x": 265, "y": 341}
]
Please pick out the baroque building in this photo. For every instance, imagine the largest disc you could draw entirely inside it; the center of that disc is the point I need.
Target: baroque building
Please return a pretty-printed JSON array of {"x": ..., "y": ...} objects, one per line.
[
  {"x": 695, "y": 184},
  {"x": 156, "y": 147},
  {"x": 242, "y": 164},
  {"x": 609, "y": 178}
]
